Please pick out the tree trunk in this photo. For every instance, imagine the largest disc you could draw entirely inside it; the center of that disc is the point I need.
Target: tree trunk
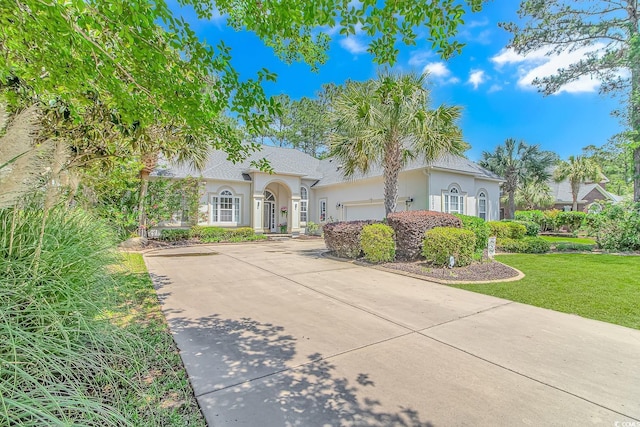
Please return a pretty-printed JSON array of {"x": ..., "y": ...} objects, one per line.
[
  {"x": 149, "y": 162},
  {"x": 392, "y": 165},
  {"x": 575, "y": 189}
]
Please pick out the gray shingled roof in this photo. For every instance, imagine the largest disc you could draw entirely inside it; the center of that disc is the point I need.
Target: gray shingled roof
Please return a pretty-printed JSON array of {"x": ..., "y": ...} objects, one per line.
[
  {"x": 294, "y": 162},
  {"x": 332, "y": 172},
  {"x": 561, "y": 191},
  {"x": 282, "y": 160}
]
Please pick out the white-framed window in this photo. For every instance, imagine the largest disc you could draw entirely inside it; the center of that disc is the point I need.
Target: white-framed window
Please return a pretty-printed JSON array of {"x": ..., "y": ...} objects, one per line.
[
  {"x": 304, "y": 204},
  {"x": 482, "y": 205},
  {"x": 453, "y": 200},
  {"x": 225, "y": 208},
  {"x": 322, "y": 210}
]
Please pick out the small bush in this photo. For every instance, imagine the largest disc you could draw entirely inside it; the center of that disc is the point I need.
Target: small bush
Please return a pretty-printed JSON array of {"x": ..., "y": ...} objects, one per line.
[
  {"x": 536, "y": 216},
  {"x": 410, "y": 227},
  {"x": 312, "y": 228},
  {"x": 202, "y": 231},
  {"x": 241, "y": 232},
  {"x": 528, "y": 245},
  {"x": 175, "y": 235},
  {"x": 479, "y": 227},
  {"x": 550, "y": 221},
  {"x": 616, "y": 227},
  {"x": 343, "y": 238},
  {"x": 572, "y": 220},
  {"x": 568, "y": 246},
  {"x": 532, "y": 228},
  {"x": 377, "y": 243},
  {"x": 507, "y": 229},
  {"x": 442, "y": 242}
]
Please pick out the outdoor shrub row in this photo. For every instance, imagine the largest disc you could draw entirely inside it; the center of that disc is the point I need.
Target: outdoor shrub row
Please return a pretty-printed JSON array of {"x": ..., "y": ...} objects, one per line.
[
  {"x": 207, "y": 234},
  {"x": 507, "y": 229},
  {"x": 343, "y": 238},
  {"x": 377, "y": 243},
  {"x": 553, "y": 219},
  {"x": 616, "y": 227},
  {"x": 174, "y": 235},
  {"x": 479, "y": 227},
  {"x": 410, "y": 227},
  {"x": 527, "y": 245},
  {"x": 443, "y": 242},
  {"x": 568, "y": 246}
]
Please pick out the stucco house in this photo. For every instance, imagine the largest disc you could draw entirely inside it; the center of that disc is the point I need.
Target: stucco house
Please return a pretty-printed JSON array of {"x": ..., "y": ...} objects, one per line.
[{"x": 303, "y": 189}]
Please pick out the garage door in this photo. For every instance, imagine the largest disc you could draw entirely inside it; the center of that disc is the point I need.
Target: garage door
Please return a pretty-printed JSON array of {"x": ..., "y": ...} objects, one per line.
[{"x": 373, "y": 211}]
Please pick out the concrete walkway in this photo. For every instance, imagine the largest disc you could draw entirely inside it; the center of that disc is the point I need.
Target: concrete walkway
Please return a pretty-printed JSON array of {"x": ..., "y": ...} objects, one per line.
[{"x": 273, "y": 334}]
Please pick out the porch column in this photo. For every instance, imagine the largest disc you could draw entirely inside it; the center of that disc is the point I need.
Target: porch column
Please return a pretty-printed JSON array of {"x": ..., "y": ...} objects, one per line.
[
  {"x": 295, "y": 215},
  {"x": 257, "y": 213}
]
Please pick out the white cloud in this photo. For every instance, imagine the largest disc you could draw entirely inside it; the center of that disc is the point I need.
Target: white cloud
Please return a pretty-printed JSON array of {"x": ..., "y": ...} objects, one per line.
[
  {"x": 353, "y": 45},
  {"x": 481, "y": 23},
  {"x": 540, "y": 63},
  {"x": 437, "y": 69},
  {"x": 494, "y": 88},
  {"x": 439, "y": 72},
  {"x": 476, "y": 78}
]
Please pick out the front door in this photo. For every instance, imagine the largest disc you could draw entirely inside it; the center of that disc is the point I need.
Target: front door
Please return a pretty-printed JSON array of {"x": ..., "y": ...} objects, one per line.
[{"x": 270, "y": 216}]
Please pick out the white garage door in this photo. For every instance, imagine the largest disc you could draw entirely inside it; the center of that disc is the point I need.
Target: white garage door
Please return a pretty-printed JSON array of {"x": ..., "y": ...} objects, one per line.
[{"x": 373, "y": 211}]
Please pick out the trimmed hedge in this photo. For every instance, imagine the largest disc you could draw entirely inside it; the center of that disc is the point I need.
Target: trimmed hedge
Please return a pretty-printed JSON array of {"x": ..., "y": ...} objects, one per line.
[
  {"x": 479, "y": 227},
  {"x": 410, "y": 227},
  {"x": 507, "y": 229},
  {"x": 571, "y": 219},
  {"x": 528, "y": 245},
  {"x": 536, "y": 216},
  {"x": 343, "y": 238},
  {"x": 568, "y": 247},
  {"x": 204, "y": 232},
  {"x": 175, "y": 235},
  {"x": 377, "y": 243},
  {"x": 442, "y": 242}
]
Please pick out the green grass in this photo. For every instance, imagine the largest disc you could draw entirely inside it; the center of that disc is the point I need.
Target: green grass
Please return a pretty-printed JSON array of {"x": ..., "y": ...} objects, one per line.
[
  {"x": 168, "y": 396},
  {"x": 601, "y": 287},
  {"x": 556, "y": 239}
]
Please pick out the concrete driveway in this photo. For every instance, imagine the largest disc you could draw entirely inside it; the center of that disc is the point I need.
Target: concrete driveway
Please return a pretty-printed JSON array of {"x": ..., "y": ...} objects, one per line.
[{"x": 273, "y": 334}]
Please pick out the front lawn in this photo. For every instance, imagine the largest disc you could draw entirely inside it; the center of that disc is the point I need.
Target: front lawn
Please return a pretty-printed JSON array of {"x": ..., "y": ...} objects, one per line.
[
  {"x": 580, "y": 240},
  {"x": 601, "y": 287}
]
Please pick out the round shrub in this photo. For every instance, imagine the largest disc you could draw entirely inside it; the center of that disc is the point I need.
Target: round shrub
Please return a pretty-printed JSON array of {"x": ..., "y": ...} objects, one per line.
[
  {"x": 479, "y": 227},
  {"x": 571, "y": 219},
  {"x": 442, "y": 242},
  {"x": 533, "y": 228},
  {"x": 410, "y": 227},
  {"x": 377, "y": 243},
  {"x": 343, "y": 238},
  {"x": 500, "y": 229}
]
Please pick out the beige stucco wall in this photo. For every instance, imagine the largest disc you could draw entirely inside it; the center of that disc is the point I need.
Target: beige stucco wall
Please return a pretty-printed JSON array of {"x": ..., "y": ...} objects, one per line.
[
  {"x": 239, "y": 189},
  {"x": 425, "y": 187}
]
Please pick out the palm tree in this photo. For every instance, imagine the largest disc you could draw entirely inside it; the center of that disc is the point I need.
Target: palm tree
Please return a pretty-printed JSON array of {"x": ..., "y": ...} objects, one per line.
[
  {"x": 578, "y": 169},
  {"x": 534, "y": 194},
  {"x": 518, "y": 163},
  {"x": 388, "y": 121}
]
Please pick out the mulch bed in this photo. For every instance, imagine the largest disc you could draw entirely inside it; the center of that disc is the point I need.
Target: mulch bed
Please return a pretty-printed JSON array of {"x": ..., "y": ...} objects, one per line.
[{"x": 476, "y": 272}]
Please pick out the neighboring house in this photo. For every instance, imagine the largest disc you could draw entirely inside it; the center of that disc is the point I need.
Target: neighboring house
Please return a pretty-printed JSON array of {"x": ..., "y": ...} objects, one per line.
[
  {"x": 309, "y": 189},
  {"x": 590, "y": 193}
]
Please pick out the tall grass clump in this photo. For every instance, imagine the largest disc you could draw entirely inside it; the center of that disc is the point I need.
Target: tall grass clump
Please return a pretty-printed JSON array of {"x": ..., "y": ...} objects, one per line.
[{"x": 64, "y": 358}]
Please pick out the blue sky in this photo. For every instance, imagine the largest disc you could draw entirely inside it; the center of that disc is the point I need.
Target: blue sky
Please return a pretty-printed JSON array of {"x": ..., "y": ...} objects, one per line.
[{"x": 491, "y": 83}]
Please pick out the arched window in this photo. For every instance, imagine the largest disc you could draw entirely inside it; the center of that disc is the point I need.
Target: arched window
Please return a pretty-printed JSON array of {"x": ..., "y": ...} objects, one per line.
[
  {"x": 482, "y": 205},
  {"x": 225, "y": 208},
  {"x": 453, "y": 200},
  {"x": 304, "y": 204}
]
